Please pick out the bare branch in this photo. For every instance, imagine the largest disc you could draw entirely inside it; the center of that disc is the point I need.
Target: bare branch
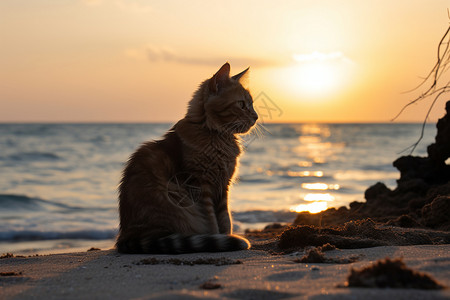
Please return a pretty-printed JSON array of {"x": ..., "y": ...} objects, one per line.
[
  {"x": 422, "y": 132},
  {"x": 433, "y": 79},
  {"x": 436, "y": 67}
]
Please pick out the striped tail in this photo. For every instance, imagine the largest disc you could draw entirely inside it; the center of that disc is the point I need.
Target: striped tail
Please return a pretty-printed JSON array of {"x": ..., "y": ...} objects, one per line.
[{"x": 178, "y": 244}]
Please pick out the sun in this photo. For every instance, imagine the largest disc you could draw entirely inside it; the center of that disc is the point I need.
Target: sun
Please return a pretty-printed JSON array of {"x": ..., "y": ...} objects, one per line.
[
  {"x": 316, "y": 75},
  {"x": 315, "y": 78}
]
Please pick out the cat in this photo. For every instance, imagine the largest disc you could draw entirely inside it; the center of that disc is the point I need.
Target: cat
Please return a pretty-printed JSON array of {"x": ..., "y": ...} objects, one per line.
[{"x": 173, "y": 196}]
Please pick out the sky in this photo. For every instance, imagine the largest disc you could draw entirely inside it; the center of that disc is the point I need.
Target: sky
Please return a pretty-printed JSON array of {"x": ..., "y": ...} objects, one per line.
[{"x": 141, "y": 61}]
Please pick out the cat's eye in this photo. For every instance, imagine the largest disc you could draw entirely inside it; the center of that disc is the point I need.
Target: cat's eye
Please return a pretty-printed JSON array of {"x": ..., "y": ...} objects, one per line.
[{"x": 241, "y": 104}]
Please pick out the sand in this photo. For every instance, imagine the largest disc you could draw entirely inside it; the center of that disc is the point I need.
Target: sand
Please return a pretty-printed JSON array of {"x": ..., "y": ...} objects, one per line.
[{"x": 252, "y": 274}]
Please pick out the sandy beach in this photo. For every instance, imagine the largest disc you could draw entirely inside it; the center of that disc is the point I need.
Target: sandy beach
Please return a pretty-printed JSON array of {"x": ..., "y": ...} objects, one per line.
[{"x": 253, "y": 274}]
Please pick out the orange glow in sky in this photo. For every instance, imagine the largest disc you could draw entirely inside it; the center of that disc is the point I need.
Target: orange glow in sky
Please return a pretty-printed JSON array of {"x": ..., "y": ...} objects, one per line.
[{"x": 140, "y": 61}]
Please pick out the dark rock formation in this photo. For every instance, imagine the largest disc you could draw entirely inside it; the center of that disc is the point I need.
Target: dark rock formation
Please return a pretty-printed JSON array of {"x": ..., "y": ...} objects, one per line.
[
  {"x": 432, "y": 169},
  {"x": 439, "y": 152}
]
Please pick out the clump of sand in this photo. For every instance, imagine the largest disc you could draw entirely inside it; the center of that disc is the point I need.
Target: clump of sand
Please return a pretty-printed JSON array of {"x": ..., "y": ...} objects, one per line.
[{"x": 389, "y": 273}]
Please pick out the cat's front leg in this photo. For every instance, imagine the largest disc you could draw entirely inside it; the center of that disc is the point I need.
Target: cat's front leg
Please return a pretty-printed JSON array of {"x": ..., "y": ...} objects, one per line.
[
  {"x": 210, "y": 212},
  {"x": 223, "y": 215}
]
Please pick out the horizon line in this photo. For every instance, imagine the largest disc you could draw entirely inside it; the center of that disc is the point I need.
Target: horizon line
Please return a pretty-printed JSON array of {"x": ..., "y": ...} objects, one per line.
[{"x": 174, "y": 122}]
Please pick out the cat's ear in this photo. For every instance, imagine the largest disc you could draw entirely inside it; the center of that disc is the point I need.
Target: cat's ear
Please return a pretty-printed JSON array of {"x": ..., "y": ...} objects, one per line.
[
  {"x": 241, "y": 75},
  {"x": 219, "y": 79}
]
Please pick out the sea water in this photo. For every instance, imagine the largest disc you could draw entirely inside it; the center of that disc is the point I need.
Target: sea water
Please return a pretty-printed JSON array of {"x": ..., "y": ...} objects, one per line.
[{"x": 58, "y": 182}]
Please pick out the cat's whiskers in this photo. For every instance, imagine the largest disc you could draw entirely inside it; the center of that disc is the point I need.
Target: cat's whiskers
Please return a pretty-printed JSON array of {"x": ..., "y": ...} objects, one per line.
[{"x": 259, "y": 130}]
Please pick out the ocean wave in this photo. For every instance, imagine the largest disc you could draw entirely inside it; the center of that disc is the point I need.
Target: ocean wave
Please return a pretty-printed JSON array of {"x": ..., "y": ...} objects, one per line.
[
  {"x": 15, "y": 202},
  {"x": 284, "y": 131},
  {"x": 252, "y": 179},
  {"x": 20, "y": 202},
  {"x": 34, "y": 156},
  {"x": 30, "y": 235},
  {"x": 264, "y": 216},
  {"x": 360, "y": 175}
]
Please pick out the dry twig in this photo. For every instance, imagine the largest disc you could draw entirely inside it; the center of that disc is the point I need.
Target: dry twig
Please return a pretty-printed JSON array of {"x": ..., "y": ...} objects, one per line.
[{"x": 432, "y": 80}]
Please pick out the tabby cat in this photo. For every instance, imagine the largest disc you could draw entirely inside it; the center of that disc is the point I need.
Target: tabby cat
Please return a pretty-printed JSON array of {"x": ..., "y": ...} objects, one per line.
[{"x": 173, "y": 196}]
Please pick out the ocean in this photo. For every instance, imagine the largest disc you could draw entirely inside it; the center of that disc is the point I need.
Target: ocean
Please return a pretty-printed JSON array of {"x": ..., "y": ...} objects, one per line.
[{"x": 58, "y": 183}]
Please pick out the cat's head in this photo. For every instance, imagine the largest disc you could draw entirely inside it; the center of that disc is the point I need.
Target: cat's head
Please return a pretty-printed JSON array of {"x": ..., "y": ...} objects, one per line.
[{"x": 223, "y": 104}]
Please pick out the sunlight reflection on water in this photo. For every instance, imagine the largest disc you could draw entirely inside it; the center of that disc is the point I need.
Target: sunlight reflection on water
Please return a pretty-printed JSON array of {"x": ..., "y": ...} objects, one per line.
[
  {"x": 296, "y": 174},
  {"x": 320, "y": 186},
  {"x": 319, "y": 197},
  {"x": 311, "y": 148},
  {"x": 315, "y": 146},
  {"x": 314, "y": 207}
]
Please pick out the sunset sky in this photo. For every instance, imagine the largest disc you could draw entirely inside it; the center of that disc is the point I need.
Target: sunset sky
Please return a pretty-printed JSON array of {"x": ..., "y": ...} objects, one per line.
[{"x": 140, "y": 61}]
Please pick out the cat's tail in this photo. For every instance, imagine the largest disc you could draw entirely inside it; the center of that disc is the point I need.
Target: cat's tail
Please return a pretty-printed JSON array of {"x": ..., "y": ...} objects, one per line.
[{"x": 179, "y": 243}]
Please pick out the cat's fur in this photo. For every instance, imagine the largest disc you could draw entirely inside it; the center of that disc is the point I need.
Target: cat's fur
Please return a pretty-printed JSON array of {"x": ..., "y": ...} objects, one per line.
[{"x": 173, "y": 197}]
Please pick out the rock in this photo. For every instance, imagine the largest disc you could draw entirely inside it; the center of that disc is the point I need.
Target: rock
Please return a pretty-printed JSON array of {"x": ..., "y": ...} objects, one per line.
[
  {"x": 376, "y": 191},
  {"x": 440, "y": 151}
]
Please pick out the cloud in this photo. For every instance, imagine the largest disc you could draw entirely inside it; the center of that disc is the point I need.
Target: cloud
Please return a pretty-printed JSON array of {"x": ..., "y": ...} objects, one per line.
[
  {"x": 168, "y": 55},
  {"x": 319, "y": 56}
]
